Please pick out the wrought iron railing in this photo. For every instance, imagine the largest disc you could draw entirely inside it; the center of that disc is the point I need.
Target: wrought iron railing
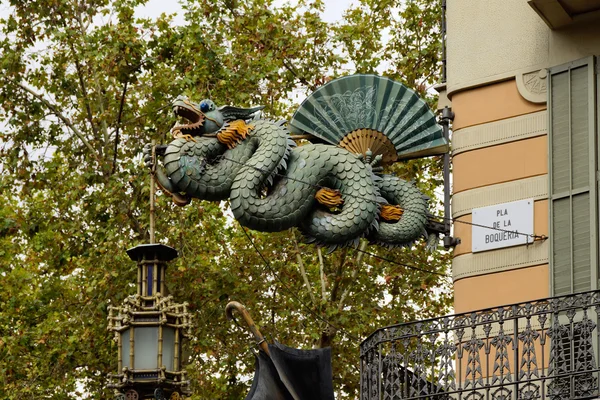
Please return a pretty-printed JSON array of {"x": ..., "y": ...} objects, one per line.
[{"x": 544, "y": 349}]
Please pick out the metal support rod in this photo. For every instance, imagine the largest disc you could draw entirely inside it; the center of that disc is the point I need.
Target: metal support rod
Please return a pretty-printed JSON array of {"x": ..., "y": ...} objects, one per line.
[
  {"x": 120, "y": 352},
  {"x": 176, "y": 363},
  {"x": 362, "y": 374},
  {"x": 155, "y": 273},
  {"x": 260, "y": 340},
  {"x": 379, "y": 372},
  {"x": 144, "y": 280},
  {"x": 443, "y": 41},
  {"x": 152, "y": 189},
  {"x": 139, "y": 281},
  {"x": 162, "y": 280},
  {"x": 131, "y": 348},
  {"x": 515, "y": 338},
  {"x": 447, "y": 118},
  {"x": 159, "y": 360}
]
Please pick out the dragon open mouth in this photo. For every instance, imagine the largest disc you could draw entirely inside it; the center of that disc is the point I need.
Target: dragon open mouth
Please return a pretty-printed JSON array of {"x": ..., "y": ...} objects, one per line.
[{"x": 185, "y": 109}]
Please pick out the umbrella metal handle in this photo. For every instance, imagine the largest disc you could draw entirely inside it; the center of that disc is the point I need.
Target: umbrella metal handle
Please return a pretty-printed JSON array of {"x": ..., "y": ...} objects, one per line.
[{"x": 260, "y": 340}]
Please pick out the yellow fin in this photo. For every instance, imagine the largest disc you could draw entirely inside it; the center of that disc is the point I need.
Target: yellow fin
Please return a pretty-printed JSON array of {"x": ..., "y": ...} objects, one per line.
[
  {"x": 391, "y": 213},
  {"x": 234, "y": 132}
]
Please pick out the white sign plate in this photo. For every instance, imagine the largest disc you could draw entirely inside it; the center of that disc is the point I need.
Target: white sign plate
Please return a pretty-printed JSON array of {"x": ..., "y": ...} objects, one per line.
[{"x": 509, "y": 225}]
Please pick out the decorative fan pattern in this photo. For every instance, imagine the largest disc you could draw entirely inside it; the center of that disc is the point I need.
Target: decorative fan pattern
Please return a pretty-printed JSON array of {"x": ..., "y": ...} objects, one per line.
[
  {"x": 371, "y": 102},
  {"x": 362, "y": 140}
]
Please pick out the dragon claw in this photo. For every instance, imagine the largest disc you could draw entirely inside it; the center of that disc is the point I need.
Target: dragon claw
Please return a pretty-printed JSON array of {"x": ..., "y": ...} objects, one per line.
[
  {"x": 329, "y": 197},
  {"x": 147, "y": 152}
]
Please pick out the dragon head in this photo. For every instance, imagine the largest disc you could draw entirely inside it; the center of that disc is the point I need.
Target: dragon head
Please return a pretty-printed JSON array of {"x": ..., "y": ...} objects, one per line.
[{"x": 203, "y": 117}]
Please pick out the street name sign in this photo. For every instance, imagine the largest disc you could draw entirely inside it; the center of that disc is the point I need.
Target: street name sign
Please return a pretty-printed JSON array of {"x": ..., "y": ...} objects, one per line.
[{"x": 502, "y": 225}]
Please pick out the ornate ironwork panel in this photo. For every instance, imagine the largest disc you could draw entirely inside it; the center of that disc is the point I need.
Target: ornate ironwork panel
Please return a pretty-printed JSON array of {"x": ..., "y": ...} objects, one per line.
[{"x": 544, "y": 349}]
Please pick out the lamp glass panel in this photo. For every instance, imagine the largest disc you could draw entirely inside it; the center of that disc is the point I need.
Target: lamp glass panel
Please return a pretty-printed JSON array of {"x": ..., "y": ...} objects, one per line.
[
  {"x": 149, "y": 280},
  {"x": 125, "y": 348},
  {"x": 168, "y": 348},
  {"x": 146, "y": 347}
]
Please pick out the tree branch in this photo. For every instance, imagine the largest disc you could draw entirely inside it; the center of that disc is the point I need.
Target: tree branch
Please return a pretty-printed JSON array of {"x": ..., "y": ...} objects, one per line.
[
  {"x": 322, "y": 273},
  {"x": 101, "y": 107},
  {"x": 284, "y": 59},
  {"x": 359, "y": 257},
  {"x": 135, "y": 119},
  {"x": 61, "y": 116},
  {"x": 338, "y": 275},
  {"x": 294, "y": 72},
  {"x": 114, "y": 163},
  {"x": 303, "y": 271},
  {"x": 84, "y": 93},
  {"x": 137, "y": 226}
]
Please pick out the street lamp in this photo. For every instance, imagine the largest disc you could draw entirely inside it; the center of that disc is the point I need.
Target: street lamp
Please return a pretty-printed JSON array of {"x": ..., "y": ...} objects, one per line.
[{"x": 149, "y": 328}]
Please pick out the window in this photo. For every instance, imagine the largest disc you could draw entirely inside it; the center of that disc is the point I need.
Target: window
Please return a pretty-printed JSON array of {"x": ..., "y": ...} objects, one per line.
[{"x": 573, "y": 169}]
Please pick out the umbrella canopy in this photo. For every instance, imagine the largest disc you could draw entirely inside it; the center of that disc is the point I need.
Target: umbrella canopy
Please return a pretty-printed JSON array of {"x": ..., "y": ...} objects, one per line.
[
  {"x": 266, "y": 384},
  {"x": 292, "y": 374}
]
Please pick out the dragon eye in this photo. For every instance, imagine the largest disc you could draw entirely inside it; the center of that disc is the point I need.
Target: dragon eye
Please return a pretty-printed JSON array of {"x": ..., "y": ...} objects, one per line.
[{"x": 204, "y": 107}]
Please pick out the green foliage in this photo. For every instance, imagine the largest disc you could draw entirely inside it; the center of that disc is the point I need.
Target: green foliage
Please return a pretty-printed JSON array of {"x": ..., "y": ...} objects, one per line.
[{"x": 84, "y": 85}]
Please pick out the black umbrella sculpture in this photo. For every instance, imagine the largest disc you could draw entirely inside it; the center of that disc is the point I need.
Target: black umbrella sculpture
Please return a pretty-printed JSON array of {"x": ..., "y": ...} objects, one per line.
[{"x": 285, "y": 373}]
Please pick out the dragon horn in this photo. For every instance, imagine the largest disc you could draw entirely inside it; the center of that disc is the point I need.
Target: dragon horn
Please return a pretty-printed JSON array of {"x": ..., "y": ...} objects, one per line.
[{"x": 231, "y": 113}]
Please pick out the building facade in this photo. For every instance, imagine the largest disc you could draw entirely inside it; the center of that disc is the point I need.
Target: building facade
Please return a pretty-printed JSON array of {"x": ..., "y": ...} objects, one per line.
[
  {"x": 521, "y": 76},
  {"x": 522, "y": 81}
]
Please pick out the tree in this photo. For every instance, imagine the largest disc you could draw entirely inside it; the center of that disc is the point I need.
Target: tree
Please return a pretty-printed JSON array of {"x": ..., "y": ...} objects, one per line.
[{"x": 84, "y": 86}]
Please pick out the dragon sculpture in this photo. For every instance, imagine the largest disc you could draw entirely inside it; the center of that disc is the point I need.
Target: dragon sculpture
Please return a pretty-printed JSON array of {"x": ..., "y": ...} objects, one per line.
[{"x": 334, "y": 194}]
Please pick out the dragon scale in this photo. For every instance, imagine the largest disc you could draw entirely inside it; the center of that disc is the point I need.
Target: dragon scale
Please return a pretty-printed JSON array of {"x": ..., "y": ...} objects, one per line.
[
  {"x": 331, "y": 192},
  {"x": 267, "y": 160}
]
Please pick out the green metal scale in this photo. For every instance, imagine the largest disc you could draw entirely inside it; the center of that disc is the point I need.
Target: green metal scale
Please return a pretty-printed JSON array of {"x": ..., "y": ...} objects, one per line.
[{"x": 332, "y": 189}]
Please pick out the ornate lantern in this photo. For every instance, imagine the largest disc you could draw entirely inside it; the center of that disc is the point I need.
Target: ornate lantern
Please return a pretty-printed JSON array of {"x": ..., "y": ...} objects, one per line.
[{"x": 149, "y": 329}]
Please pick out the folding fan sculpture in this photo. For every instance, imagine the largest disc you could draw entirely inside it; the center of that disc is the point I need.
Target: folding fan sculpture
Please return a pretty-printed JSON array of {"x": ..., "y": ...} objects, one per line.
[{"x": 333, "y": 193}]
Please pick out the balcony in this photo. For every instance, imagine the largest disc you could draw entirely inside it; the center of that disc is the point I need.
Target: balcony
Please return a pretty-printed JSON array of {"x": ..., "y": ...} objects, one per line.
[
  {"x": 561, "y": 13},
  {"x": 544, "y": 349}
]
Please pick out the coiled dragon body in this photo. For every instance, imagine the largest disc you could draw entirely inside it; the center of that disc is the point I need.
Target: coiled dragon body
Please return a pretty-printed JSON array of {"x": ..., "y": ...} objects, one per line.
[{"x": 271, "y": 183}]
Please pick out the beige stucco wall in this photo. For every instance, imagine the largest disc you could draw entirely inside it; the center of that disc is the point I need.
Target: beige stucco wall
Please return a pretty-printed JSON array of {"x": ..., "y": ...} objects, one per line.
[
  {"x": 499, "y": 39},
  {"x": 487, "y": 40},
  {"x": 497, "y": 55},
  {"x": 506, "y": 287},
  {"x": 500, "y": 155},
  {"x": 490, "y": 103},
  {"x": 502, "y": 163}
]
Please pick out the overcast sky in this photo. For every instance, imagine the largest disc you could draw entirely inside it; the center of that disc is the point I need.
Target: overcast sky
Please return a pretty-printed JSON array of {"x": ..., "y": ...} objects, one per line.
[
  {"x": 153, "y": 8},
  {"x": 333, "y": 9}
]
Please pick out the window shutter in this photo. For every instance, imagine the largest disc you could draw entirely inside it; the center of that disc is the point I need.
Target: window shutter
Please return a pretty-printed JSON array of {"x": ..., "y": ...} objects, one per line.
[{"x": 572, "y": 145}]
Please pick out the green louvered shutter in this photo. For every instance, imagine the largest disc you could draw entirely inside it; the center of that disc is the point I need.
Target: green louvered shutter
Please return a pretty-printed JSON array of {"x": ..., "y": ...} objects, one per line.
[{"x": 572, "y": 139}]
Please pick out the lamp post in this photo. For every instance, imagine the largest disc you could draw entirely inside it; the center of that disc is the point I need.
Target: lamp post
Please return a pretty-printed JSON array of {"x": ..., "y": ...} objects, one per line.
[{"x": 149, "y": 329}]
